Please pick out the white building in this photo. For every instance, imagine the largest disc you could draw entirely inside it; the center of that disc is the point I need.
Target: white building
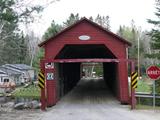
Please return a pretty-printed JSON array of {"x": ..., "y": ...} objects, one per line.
[
  {"x": 3, "y": 77},
  {"x": 14, "y": 75},
  {"x": 28, "y": 71},
  {"x": 18, "y": 73}
]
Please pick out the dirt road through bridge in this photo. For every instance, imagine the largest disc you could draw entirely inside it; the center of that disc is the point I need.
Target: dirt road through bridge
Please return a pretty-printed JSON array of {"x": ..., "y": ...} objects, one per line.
[{"x": 89, "y": 100}]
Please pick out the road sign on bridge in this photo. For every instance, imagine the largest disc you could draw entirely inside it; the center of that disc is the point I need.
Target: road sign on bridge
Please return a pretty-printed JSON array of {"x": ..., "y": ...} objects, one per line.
[{"x": 153, "y": 72}]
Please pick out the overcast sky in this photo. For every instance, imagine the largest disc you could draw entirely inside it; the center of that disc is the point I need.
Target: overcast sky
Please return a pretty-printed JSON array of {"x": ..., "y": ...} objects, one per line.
[{"x": 121, "y": 12}]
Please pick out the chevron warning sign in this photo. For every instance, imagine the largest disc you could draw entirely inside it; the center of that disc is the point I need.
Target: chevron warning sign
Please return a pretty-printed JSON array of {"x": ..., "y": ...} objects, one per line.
[
  {"x": 41, "y": 80},
  {"x": 134, "y": 81}
]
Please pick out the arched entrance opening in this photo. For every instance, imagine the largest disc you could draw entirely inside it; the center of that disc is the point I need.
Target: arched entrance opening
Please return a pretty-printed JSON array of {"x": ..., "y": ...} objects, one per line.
[{"x": 69, "y": 73}]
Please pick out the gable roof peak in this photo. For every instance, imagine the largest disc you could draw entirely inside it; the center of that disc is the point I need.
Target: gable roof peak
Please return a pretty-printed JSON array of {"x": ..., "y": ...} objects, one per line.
[{"x": 91, "y": 22}]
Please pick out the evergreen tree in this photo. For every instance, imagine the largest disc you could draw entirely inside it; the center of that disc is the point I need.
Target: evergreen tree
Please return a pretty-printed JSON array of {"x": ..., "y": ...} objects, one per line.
[
  {"x": 155, "y": 34},
  {"x": 52, "y": 30},
  {"x": 13, "y": 46},
  {"x": 91, "y": 18},
  {"x": 55, "y": 28},
  {"x": 23, "y": 53},
  {"x": 132, "y": 34},
  {"x": 37, "y": 58},
  {"x": 155, "y": 41},
  {"x": 71, "y": 20},
  {"x": 98, "y": 20},
  {"x": 8, "y": 32},
  {"x": 103, "y": 21}
]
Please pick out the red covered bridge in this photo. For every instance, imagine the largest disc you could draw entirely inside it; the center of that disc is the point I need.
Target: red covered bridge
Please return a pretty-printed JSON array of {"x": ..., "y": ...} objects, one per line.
[{"x": 85, "y": 41}]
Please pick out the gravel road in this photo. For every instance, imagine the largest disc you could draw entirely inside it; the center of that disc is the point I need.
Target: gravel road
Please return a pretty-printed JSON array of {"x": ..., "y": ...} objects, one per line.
[{"x": 89, "y": 100}]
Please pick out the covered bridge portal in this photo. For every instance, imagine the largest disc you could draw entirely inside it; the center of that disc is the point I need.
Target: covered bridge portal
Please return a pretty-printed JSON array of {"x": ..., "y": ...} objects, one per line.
[{"x": 85, "y": 41}]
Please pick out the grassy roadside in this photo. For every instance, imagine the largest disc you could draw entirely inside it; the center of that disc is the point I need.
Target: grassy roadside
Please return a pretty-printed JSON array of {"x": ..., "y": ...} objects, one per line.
[
  {"x": 143, "y": 86},
  {"x": 146, "y": 107},
  {"x": 32, "y": 91}
]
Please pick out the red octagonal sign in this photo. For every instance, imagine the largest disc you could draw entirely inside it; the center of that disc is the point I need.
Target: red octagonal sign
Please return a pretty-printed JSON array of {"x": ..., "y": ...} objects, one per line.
[{"x": 153, "y": 72}]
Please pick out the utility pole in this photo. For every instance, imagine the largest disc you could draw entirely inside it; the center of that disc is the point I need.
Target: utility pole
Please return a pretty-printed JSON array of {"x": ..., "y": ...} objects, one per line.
[{"x": 138, "y": 57}]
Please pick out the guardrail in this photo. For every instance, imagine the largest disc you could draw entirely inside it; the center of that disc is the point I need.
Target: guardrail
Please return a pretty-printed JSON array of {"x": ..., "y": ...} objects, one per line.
[{"x": 146, "y": 95}]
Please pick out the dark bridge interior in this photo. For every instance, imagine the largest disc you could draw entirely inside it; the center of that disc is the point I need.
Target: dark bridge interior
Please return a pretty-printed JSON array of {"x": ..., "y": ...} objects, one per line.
[
  {"x": 69, "y": 74},
  {"x": 85, "y": 51}
]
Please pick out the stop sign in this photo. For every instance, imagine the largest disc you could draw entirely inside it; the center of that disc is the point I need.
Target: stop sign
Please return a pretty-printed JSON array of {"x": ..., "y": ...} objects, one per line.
[{"x": 153, "y": 72}]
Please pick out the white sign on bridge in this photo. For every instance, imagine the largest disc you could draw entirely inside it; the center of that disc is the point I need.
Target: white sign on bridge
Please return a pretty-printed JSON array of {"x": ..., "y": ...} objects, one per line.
[{"x": 50, "y": 76}]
